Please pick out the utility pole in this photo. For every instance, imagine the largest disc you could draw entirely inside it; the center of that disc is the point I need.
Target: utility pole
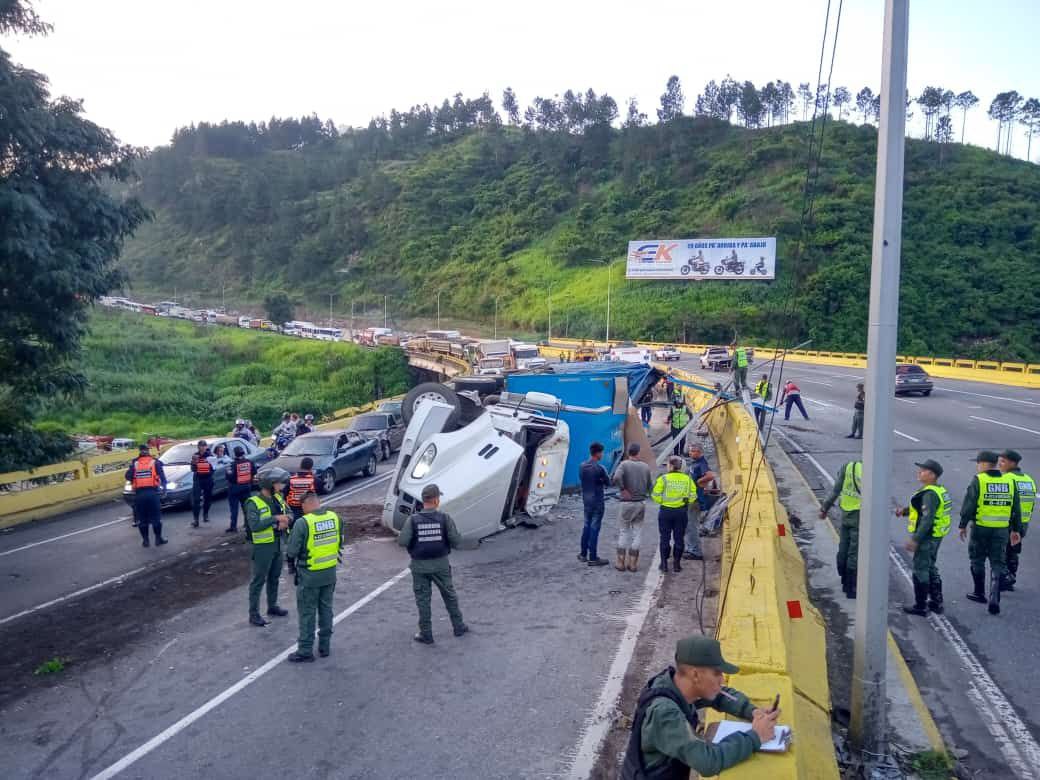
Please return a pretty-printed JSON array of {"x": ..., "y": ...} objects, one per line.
[
  {"x": 352, "y": 320},
  {"x": 438, "y": 310},
  {"x": 496, "y": 318},
  {"x": 385, "y": 320},
  {"x": 549, "y": 336},
  {"x": 608, "y": 304},
  {"x": 868, "y": 726},
  {"x": 331, "y": 296}
]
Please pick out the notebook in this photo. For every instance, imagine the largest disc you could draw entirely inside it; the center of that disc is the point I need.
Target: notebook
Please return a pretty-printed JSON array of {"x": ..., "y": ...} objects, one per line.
[{"x": 778, "y": 744}]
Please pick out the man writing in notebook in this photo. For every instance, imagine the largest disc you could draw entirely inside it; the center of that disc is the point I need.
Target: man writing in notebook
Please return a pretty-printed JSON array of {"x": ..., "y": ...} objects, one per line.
[{"x": 663, "y": 744}]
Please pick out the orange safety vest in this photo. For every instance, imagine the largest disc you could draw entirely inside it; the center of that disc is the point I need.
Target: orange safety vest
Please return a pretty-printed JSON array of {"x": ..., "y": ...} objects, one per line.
[
  {"x": 300, "y": 485},
  {"x": 146, "y": 475},
  {"x": 202, "y": 466},
  {"x": 243, "y": 472}
]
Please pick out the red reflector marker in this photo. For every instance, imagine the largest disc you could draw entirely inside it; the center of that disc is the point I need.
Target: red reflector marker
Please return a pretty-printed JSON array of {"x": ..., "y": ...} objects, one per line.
[
  {"x": 794, "y": 609},
  {"x": 781, "y": 529}
]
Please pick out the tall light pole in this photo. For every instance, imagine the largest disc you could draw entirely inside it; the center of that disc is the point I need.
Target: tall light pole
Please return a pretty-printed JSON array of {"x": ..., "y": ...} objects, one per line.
[
  {"x": 549, "y": 335},
  {"x": 608, "y": 264},
  {"x": 868, "y": 723},
  {"x": 352, "y": 320},
  {"x": 438, "y": 309},
  {"x": 385, "y": 317},
  {"x": 496, "y": 318},
  {"x": 331, "y": 296}
]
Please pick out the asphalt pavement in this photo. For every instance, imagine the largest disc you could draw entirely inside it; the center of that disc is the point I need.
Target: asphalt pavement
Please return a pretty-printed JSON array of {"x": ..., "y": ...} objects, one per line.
[{"x": 951, "y": 425}]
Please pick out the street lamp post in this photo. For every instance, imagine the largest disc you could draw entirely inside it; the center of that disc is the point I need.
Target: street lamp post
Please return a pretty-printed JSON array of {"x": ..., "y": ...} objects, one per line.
[
  {"x": 352, "y": 320},
  {"x": 496, "y": 318},
  {"x": 549, "y": 335},
  {"x": 385, "y": 320},
  {"x": 608, "y": 264},
  {"x": 331, "y": 296}
]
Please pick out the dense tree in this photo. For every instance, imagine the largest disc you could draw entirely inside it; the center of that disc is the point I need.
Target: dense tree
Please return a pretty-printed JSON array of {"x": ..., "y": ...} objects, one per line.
[
  {"x": 865, "y": 103},
  {"x": 965, "y": 101},
  {"x": 842, "y": 97},
  {"x": 511, "y": 106},
  {"x": 708, "y": 101},
  {"x": 634, "y": 117},
  {"x": 1030, "y": 120},
  {"x": 62, "y": 232},
  {"x": 672, "y": 101},
  {"x": 749, "y": 105},
  {"x": 805, "y": 94},
  {"x": 278, "y": 307},
  {"x": 943, "y": 135},
  {"x": 1004, "y": 110}
]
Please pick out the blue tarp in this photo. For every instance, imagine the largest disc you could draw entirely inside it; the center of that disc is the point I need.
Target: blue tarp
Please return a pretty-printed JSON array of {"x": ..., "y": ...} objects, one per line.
[{"x": 590, "y": 385}]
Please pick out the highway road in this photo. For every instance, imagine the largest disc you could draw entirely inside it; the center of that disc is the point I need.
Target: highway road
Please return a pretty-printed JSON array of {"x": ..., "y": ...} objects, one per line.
[{"x": 951, "y": 425}]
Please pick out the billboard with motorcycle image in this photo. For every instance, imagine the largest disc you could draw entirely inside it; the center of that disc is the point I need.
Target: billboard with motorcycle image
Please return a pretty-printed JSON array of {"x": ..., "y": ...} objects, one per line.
[{"x": 702, "y": 258}]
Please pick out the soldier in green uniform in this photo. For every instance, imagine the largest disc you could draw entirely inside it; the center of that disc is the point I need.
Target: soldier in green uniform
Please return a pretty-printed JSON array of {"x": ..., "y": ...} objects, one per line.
[
  {"x": 992, "y": 504},
  {"x": 847, "y": 489},
  {"x": 1008, "y": 463},
  {"x": 929, "y": 522},
  {"x": 267, "y": 517},
  {"x": 313, "y": 552},
  {"x": 429, "y": 537},
  {"x": 663, "y": 744}
]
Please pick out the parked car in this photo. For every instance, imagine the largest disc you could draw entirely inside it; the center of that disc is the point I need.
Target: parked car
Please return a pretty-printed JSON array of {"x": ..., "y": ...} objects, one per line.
[
  {"x": 912, "y": 379},
  {"x": 667, "y": 352},
  {"x": 716, "y": 358},
  {"x": 337, "y": 454},
  {"x": 391, "y": 407},
  {"x": 386, "y": 429},
  {"x": 179, "y": 477}
]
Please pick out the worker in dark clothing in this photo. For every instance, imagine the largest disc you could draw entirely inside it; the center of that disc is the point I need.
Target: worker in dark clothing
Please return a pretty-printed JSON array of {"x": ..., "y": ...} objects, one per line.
[
  {"x": 929, "y": 515},
  {"x": 992, "y": 504},
  {"x": 673, "y": 492},
  {"x": 1008, "y": 464},
  {"x": 646, "y": 407},
  {"x": 664, "y": 743},
  {"x": 147, "y": 478},
  {"x": 846, "y": 491},
  {"x": 790, "y": 396},
  {"x": 300, "y": 484},
  {"x": 202, "y": 484},
  {"x": 240, "y": 485},
  {"x": 857, "y": 413},
  {"x": 593, "y": 479},
  {"x": 429, "y": 536},
  {"x": 678, "y": 419},
  {"x": 267, "y": 523},
  {"x": 741, "y": 363}
]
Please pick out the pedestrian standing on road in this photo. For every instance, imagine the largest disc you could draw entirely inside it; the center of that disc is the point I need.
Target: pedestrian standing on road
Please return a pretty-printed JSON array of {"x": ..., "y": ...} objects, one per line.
[
  {"x": 857, "y": 413},
  {"x": 300, "y": 484},
  {"x": 635, "y": 480},
  {"x": 429, "y": 535},
  {"x": 646, "y": 407},
  {"x": 703, "y": 478},
  {"x": 202, "y": 483},
  {"x": 1008, "y": 464},
  {"x": 792, "y": 396},
  {"x": 764, "y": 392},
  {"x": 740, "y": 366},
  {"x": 240, "y": 485},
  {"x": 846, "y": 492},
  {"x": 992, "y": 504},
  {"x": 593, "y": 479},
  {"x": 929, "y": 522},
  {"x": 267, "y": 518},
  {"x": 673, "y": 492},
  {"x": 678, "y": 419},
  {"x": 147, "y": 478},
  {"x": 664, "y": 742},
  {"x": 313, "y": 553}
]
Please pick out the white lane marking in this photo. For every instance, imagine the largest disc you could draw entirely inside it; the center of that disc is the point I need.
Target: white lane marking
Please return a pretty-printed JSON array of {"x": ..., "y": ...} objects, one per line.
[
  {"x": 600, "y": 719},
  {"x": 216, "y": 701},
  {"x": 1006, "y": 425},
  {"x": 1009, "y": 732},
  {"x": 821, "y": 403},
  {"x": 906, "y": 401},
  {"x": 68, "y": 596},
  {"x": 984, "y": 395},
  {"x": 904, "y": 435},
  {"x": 813, "y": 381},
  {"x": 63, "y": 536},
  {"x": 802, "y": 451},
  {"x": 358, "y": 487}
]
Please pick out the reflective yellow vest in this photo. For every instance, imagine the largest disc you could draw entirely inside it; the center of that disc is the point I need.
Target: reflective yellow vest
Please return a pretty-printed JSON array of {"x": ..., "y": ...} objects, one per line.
[
  {"x": 763, "y": 390},
  {"x": 323, "y": 538},
  {"x": 1026, "y": 494},
  {"x": 266, "y": 535},
  {"x": 674, "y": 489},
  {"x": 741, "y": 357},
  {"x": 941, "y": 523},
  {"x": 996, "y": 495},
  {"x": 680, "y": 417},
  {"x": 850, "y": 499}
]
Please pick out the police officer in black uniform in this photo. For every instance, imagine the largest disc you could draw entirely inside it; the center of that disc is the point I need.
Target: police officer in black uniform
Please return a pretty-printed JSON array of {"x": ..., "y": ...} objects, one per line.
[
  {"x": 202, "y": 484},
  {"x": 148, "y": 480}
]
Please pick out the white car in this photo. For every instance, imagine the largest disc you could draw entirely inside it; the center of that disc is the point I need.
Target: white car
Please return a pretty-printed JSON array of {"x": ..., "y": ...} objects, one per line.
[
  {"x": 504, "y": 467},
  {"x": 667, "y": 353}
]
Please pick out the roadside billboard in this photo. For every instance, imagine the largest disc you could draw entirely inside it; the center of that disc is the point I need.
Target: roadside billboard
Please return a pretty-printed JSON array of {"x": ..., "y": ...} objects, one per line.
[{"x": 702, "y": 258}]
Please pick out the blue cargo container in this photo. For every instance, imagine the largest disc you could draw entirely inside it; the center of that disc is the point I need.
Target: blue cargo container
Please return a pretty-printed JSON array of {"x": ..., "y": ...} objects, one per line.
[{"x": 592, "y": 384}]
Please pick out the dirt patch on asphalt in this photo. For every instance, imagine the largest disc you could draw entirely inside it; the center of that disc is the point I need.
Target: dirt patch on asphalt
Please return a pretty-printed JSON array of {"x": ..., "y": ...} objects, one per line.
[{"x": 91, "y": 630}]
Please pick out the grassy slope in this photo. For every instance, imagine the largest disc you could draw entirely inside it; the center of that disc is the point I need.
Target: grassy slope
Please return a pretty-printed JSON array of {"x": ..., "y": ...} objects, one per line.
[
  {"x": 151, "y": 375},
  {"x": 505, "y": 214}
]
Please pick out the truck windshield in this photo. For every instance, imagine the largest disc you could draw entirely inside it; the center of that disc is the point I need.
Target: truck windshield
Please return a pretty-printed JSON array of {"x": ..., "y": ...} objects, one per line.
[{"x": 526, "y": 353}]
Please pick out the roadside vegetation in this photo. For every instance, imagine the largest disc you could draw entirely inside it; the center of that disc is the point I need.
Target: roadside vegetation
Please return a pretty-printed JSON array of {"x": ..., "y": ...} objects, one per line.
[{"x": 152, "y": 375}]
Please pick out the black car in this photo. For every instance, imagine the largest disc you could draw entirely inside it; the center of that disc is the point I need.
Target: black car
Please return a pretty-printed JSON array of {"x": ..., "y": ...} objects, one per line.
[
  {"x": 385, "y": 428},
  {"x": 337, "y": 454},
  {"x": 912, "y": 379}
]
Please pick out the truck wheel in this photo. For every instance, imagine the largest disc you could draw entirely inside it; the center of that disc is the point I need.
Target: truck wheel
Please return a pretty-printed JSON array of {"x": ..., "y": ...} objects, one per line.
[
  {"x": 484, "y": 385},
  {"x": 431, "y": 391}
]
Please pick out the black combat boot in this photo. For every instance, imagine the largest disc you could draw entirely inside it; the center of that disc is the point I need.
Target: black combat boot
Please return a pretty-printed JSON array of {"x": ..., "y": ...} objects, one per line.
[
  {"x": 994, "y": 593},
  {"x": 979, "y": 580},
  {"x": 920, "y": 605},
  {"x": 935, "y": 602}
]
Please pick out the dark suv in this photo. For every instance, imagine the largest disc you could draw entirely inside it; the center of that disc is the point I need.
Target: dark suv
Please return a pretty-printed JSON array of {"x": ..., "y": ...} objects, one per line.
[{"x": 912, "y": 379}]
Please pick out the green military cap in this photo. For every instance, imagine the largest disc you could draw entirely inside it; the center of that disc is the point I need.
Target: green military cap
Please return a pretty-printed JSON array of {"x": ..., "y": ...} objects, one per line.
[
  {"x": 430, "y": 492},
  {"x": 932, "y": 465},
  {"x": 986, "y": 456},
  {"x": 702, "y": 651},
  {"x": 1011, "y": 455}
]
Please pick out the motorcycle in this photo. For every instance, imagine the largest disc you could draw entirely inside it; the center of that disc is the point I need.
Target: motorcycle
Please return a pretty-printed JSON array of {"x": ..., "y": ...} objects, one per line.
[
  {"x": 731, "y": 264},
  {"x": 697, "y": 265},
  {"x": 759, "y": 268}
]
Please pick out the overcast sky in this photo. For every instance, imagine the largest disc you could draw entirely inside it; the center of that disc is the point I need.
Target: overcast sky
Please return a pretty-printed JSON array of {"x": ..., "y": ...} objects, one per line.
[{"x": 145, "y": 67}]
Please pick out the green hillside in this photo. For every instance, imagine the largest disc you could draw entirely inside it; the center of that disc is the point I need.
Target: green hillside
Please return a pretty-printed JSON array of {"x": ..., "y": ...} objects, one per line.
[
  {"x": 150, "y": 375},
  {"x": 502, "y": 211}
]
